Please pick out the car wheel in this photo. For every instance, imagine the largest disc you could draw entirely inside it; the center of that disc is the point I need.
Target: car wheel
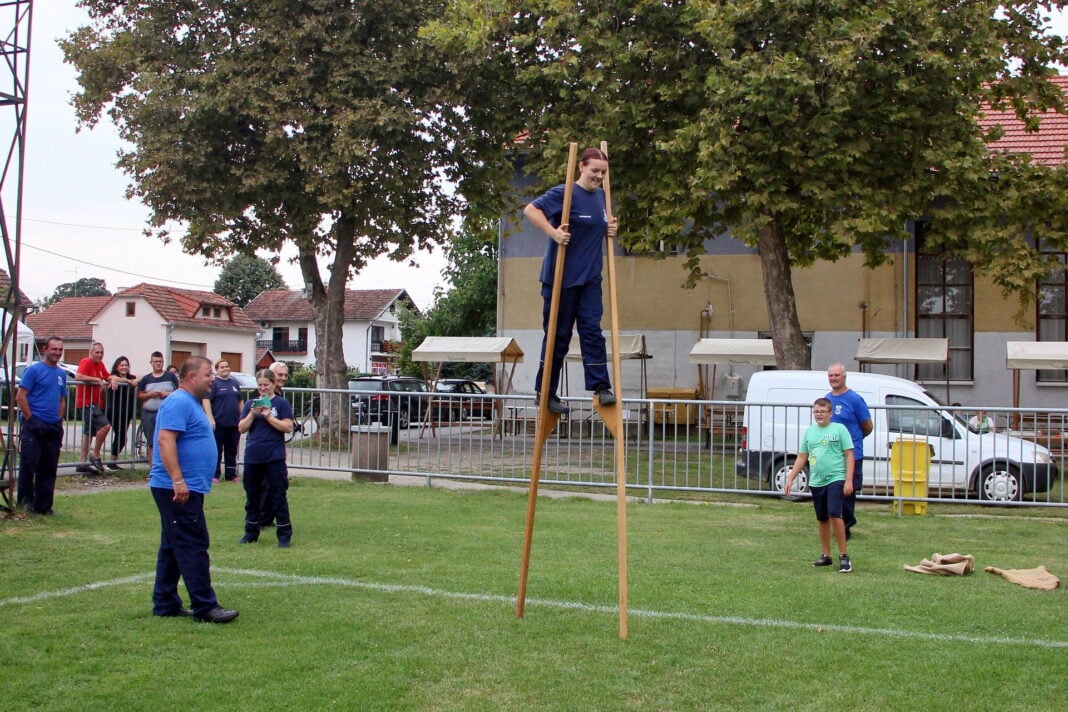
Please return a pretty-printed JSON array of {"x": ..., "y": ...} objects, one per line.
[
  {"x": 999, "y": 482},
  {"x": 780, "y": 472}
]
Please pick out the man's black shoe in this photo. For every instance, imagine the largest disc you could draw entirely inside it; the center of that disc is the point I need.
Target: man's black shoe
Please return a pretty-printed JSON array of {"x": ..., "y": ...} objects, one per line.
[
  {"x": 606, "y": 397},
  {"x": 115, "y": 467},
  {"x": 85, "y": 470},
  {"x": 216, "y": 615},
  {"x": 179, "y": 612}
]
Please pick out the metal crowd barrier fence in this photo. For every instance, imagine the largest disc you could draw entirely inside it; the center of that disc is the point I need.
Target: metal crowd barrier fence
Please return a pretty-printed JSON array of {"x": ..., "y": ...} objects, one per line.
[{"x": 676, "y": 448}]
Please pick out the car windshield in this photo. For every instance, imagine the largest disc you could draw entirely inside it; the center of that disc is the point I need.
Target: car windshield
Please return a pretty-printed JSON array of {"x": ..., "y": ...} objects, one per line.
[{"x": 365, "y": 385}]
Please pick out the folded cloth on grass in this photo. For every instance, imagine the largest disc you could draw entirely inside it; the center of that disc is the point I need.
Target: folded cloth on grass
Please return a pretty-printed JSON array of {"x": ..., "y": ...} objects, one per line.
[
  {"x": 1038, "y": 577},
  {"x": 945, "y": 565}
]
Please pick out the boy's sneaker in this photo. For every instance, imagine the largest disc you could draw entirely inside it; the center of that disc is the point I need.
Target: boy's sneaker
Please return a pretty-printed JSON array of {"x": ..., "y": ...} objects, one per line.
[
  {"x": 822, "y": 561},
  {"x": 844, "y": 564},
  {"x": 98, "y": 465}
]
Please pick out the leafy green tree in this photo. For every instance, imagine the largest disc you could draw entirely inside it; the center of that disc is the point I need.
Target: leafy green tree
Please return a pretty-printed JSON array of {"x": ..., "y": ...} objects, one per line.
[
  {"x": 243, "y": 278},
  {"x": 84, "y": 287},
  {"x": 808, "y": 129},
  {"x": 468, "y": 305},
  {"x": 327, "y": 124}
]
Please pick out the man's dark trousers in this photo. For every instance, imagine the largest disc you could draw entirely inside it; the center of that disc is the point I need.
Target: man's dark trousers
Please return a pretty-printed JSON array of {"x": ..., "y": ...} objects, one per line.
[
  {"x": 183, "y": 552},
  {"x": 39, "y": 458}
]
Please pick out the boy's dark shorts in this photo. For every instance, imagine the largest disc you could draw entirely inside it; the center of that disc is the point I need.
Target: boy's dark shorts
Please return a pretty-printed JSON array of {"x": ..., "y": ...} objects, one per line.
[
  {"x": 94, "y": 419},
  {"x": 828, "y": 500}
]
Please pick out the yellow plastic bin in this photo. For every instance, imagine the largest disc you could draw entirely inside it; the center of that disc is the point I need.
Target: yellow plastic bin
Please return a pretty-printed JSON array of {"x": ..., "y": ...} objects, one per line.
[
  {"x": 673, "y": 413},
  {"x": 910, "y": 461}
]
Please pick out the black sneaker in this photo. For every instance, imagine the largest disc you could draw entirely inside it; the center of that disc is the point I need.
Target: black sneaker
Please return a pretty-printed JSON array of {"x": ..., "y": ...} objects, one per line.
[
  {"x": 98, "y": 465},
  {"x": 844, "y": 564},
  {"x": 115, "y": 467},
  {"x": 606, "y": 397},
  {"x": 822, "y": 561},
  {"x": 85, "y": 470}
]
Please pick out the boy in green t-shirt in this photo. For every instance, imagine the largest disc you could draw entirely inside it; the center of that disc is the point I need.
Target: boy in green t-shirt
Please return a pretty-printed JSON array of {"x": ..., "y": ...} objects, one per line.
[{"x": 827, "y": 448}]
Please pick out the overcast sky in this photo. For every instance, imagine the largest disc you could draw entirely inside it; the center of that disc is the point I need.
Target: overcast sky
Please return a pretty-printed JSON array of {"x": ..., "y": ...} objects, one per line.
[{"x": 76, "y": 220}]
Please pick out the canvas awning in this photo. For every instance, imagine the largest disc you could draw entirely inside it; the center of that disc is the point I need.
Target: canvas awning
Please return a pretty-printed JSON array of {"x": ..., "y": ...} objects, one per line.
[
  {"x": 631, "y": 346},
  {"x": 903, "y": 351},
  {"x": 754, "y": 352},
  {"x": 473, "y": 349},
  {"x": 1036, "y": 354}
]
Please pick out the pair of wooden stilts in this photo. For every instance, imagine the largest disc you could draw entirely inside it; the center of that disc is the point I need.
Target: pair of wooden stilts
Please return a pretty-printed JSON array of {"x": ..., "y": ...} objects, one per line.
[{"x": 611, "y": 415}]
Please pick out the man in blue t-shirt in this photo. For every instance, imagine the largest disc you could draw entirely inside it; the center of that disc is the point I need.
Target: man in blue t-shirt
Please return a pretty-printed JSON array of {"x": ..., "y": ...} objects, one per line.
[
  {"x": 849, "y": 409},
  {"x": 42, "y": 401},
  {"x": 183, "y": 464},
  {"x": 582, "y": 232}
]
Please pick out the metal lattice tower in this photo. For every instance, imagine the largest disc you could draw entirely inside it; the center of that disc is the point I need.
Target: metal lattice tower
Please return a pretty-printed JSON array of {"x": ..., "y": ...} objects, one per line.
[{"x": 15, "y": 23}]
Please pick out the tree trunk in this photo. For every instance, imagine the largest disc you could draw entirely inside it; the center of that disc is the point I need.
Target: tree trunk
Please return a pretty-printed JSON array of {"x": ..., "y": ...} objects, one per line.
[
  {"x": 791, "y": 351},
  {"x": 328, "y": 306}
]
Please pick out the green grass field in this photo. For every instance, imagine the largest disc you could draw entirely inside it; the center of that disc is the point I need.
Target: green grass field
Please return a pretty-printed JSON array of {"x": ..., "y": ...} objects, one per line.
[{"x": 399, "y": 598}]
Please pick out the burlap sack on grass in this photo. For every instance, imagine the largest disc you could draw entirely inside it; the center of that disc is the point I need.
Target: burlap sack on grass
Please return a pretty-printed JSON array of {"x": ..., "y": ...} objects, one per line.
[
  {"x": 945, "y": 565},
  {"x": 1038, "y": 578}
]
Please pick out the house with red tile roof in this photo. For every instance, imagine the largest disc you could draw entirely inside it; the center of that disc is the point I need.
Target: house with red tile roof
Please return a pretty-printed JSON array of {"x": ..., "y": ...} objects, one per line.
[
  {"x": 68, "y": 319},
  {"x": 177, "y": 322},
  {"x": 286, "y": 322}
]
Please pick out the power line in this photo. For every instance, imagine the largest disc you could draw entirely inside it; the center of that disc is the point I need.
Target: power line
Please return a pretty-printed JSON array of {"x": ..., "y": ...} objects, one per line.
[
  {"x": 91, "y": 227},
  {"x": 113, "y": 269}
]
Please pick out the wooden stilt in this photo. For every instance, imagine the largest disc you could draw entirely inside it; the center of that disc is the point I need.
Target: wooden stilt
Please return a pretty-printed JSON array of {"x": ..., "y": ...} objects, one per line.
[
  {"x": 613, "y": 415},
  {"x": 547, "y": 420}
]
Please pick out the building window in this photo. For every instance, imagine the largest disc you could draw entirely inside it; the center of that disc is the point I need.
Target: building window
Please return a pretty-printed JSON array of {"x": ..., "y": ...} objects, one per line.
[
  {"x": 944, "y": 309},
  {"x": 1051, "y": 319},
  {"x": 131, "y": 308},
  {"x": 378, "y": 335}
]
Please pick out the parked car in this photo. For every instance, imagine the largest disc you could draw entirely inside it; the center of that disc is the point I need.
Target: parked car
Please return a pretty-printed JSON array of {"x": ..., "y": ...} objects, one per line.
[
  {"x": 468, "y": 400},
  {"x": 245, "y": 381},
  {"x": 995, "y": 466},
  {"x": 7, "y": 393},
  {"x": 391, "y": 400}
]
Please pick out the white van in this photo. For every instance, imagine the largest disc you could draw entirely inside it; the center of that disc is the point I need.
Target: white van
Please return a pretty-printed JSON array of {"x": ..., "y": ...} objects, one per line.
[{"x": 993, "y": 466}]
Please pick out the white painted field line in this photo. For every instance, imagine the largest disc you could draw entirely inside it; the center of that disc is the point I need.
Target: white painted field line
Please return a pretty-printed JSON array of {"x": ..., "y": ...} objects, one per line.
[{"x": 281, "y": 579}]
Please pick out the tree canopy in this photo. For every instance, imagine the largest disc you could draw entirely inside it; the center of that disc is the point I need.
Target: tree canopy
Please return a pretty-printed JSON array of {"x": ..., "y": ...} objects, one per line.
[
  {"x": 328, "y": 124},
  {"x": 467, "y": 307},
  {"x": 244, "y": 277},
  {"x": 808, "y": 129},
  {"x": 84, "y": 287}
]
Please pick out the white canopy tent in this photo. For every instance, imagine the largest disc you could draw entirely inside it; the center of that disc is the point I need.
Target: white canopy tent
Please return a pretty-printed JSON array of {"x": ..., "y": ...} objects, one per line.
[
  {"x": 24, "y": 337},
  {"x": 631, "y": 347},
  {"x": 1033, "y": 355},
  {"x": 890, "y": 350},
  {"x": 473, "y": 349},
  {"x": 752, "y": 352},
  {"x": 745, "y": 352},
  {"x": 906, "y": 350}
]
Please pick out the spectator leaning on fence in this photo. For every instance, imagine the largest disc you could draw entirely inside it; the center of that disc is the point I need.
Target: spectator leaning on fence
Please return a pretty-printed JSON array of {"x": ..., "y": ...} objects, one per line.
[
  {"x": 92, "y": 379},
  {"x": 120, "y": 405},
  {"x": 151, "y": 390}
]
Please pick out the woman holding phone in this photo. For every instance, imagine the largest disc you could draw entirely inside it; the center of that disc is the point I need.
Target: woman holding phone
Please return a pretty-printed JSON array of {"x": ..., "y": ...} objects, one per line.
[{"x": 266, "y": 420}]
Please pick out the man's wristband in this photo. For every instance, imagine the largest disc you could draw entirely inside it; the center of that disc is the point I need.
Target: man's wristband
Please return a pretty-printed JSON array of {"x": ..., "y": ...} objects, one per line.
[{"x": 178, "y": 482}]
